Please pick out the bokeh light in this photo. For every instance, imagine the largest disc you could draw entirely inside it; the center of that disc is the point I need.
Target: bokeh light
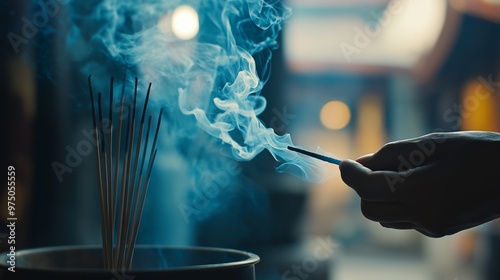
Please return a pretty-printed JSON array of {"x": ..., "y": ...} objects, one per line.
[
  {"x": 335, "y": 115},
  {"x": 185, "y": 23}
]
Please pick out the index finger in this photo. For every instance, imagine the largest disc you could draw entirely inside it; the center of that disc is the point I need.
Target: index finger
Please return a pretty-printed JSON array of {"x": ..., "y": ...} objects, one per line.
[{"x": 369, "y": 185}]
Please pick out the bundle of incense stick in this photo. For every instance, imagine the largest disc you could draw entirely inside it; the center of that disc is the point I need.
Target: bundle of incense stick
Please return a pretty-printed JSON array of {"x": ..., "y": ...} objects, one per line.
[{"x": 124, "y": 158}]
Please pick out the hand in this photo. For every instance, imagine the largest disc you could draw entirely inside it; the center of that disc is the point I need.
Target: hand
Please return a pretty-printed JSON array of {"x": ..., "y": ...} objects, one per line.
[{"x": 438, "y": 184}]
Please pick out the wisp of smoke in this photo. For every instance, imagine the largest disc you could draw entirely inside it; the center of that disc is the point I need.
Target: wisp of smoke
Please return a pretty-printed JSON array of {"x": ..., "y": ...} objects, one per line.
[{"x": 212, "y": 81}]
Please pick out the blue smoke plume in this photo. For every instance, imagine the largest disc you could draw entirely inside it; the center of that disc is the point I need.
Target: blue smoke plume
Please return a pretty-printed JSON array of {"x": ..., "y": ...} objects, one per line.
[{"x": 212, "y": 81}]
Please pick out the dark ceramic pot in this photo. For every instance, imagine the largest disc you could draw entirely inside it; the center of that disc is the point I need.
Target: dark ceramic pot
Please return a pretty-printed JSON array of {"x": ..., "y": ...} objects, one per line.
[{"x": 150, "y": 262}]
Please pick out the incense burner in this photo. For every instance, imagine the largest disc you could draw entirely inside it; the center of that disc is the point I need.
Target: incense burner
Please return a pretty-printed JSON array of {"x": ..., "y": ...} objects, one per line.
[{"x": 150, "y": 262}]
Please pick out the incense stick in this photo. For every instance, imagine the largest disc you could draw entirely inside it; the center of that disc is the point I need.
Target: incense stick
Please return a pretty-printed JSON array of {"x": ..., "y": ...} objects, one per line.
[
  {"x": 315, "y": 155},
  {"x": 99, "y": 174},
  {"x": 122, "y": 180}
]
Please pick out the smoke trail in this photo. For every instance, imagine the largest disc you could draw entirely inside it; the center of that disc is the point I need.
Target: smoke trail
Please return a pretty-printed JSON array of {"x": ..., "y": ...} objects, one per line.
[{"x": 212, "y": 81}]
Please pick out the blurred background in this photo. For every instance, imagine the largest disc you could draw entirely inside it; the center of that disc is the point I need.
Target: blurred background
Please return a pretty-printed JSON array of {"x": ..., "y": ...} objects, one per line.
[{"x": 348, "y": 77}]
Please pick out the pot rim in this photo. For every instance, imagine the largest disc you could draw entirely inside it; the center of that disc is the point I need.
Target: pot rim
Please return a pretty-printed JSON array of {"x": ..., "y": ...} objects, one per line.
[{"x": 251, "y": 259}]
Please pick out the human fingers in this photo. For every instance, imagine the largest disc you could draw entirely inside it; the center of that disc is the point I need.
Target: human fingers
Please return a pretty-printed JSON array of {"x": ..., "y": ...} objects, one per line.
[
  {"x": 393, "y": 154},
  {"x": 369, "y": 185},
  {"x": 364, "y": 158},
  {"x": 387, "y": 158},
  {"x": 399, "y": 225},
  {"x": 384, "y": 212},
  {"x": 410, "y": 225},
  {"x": 430, "y": 234},
  {"x": 396, "y": 156}
]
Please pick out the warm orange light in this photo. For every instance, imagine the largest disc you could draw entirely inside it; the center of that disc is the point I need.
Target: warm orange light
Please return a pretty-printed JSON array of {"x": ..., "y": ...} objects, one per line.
[
  {"x": 478, "y": 111},
  {"x": 370, "y": 129},
  {"x": 335, "y": 115}
]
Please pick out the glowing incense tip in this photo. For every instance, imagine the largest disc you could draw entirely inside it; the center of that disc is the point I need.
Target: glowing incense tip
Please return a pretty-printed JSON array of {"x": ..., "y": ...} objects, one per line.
[{"x": 314, "y": 155}]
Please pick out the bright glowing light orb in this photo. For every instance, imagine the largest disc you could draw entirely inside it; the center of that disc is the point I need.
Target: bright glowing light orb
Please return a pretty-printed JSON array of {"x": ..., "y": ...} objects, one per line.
[
  {"x": 335, "y": 115},
  {"x": 185, "y": 24}
]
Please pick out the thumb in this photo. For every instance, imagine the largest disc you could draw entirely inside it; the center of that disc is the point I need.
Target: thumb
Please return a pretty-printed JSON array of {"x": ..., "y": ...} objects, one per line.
[
  {"x": 353, "y": 172},
  {"x": 369, "y": 185}
]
